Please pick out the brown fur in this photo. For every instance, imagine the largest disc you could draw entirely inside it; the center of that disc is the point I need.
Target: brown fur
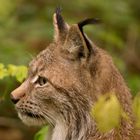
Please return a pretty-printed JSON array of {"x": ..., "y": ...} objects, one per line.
[{"x": 77, "y": 74}]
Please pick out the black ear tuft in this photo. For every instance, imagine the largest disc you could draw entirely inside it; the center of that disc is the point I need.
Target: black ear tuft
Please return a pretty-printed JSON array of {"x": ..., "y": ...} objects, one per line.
[
  {"x": 87, "y": 22},
  {"x": 60, "y": 26},
  {"x": 58, "y": 10},
  {"x": 59, "y": 18}
]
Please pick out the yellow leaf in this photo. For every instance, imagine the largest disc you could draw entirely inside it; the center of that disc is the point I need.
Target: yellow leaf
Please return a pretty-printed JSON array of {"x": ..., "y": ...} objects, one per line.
[
  {"x": 21, "y": 73},
  {"x": 107, "y": 112},
  {"x": 12, "y": 70},
  {"x": 3, "y": 71},
  {"x": 136, "y": 109}
]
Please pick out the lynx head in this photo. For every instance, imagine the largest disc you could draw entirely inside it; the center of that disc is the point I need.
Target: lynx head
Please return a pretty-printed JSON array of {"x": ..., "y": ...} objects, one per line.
[{"x": 59, "y": 78}]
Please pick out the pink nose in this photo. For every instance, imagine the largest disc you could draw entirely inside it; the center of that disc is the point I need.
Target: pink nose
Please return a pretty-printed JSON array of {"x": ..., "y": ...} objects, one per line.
[
  {"x": 13, "y": 99},
  {"x": 19, "y": 92}
]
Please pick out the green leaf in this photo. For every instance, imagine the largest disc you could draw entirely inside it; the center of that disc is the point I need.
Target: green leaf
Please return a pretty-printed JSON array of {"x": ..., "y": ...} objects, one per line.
[
  {"x": 107, "y": 112},
  {"x": 12, "y": 70},
  {"x": 20, "y": 72},
  {"x": 41, "y": 135},
  {"x": 3, "y": 71},
  {"x": 136, "y": 109}
]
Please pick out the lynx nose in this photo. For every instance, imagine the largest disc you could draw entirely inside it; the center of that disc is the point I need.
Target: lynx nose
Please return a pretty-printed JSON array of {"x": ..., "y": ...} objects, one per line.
[
  {"x": 19, "y": 92},
  {"x": 13, "y": 99},
  {"x": 16, "y": 95}
]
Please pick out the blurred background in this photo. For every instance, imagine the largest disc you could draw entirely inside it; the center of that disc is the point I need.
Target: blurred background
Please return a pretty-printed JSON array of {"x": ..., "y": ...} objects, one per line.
[{"x": 26, "y": 28}]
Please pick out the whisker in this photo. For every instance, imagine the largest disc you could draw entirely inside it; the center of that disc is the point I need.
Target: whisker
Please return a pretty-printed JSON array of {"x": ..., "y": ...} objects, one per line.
[{"x": 49, "y": 118}]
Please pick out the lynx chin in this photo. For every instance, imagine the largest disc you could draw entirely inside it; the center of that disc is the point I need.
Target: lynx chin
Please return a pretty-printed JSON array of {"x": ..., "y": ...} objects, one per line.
[{"x": 65, "y": 80}]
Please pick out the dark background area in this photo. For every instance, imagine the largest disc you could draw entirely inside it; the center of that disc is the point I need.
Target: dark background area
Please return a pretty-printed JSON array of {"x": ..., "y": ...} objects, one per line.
[{"x": 26, "y": 28}]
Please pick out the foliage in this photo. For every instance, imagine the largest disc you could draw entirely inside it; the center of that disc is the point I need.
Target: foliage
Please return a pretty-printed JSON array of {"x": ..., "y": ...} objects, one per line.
[
  {"x": 19, "y": 72},
  {"x": 107, "y": 112},
  {"x": 3, "y": 71},
  {"x": 136, "y": 108},
  {"x": 41, "y": 135}
]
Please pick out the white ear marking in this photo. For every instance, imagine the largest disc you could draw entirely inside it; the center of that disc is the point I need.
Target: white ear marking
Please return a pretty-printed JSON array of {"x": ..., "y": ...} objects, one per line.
[
  {"x": 55, "y": 27},
  {"x": 60, "y": 26}
]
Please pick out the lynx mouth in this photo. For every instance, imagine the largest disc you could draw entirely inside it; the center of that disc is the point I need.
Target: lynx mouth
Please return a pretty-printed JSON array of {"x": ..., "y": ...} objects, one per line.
[
  {"x": 31, "y": 118},
  {"x": 32, "y": 115}
]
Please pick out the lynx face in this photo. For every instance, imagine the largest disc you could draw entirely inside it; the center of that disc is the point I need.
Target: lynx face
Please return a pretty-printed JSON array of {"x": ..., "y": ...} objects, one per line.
[{"x": 52, "y": 82}]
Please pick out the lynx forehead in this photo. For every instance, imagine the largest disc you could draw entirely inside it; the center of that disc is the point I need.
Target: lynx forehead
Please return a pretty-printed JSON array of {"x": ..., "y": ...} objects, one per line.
[
  {"x": 42, "y": 60},
  {"x": 64, "y": 82}
]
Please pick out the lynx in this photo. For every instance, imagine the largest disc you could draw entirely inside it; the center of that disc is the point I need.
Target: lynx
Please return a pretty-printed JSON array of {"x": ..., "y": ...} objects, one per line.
[{"x": 65, "y": 80}]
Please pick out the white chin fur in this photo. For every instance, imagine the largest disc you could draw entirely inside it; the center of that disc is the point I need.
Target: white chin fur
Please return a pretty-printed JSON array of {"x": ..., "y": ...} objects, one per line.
[{"x": 30, "y": 121}]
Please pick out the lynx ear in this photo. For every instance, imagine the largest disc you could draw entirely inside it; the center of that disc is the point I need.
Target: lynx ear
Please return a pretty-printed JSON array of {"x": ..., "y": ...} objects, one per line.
[
  {"x": 60, "y": 27},
  {"x": 77, "y": 44}
]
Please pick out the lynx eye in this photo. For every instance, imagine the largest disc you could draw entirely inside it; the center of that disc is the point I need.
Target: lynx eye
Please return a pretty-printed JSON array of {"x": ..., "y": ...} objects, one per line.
[{"x": 42, "y": 81}]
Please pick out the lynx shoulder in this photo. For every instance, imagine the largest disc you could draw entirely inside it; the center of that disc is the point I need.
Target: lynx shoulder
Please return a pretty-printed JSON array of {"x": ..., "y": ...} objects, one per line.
[{"x": 64, "y": 82}]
